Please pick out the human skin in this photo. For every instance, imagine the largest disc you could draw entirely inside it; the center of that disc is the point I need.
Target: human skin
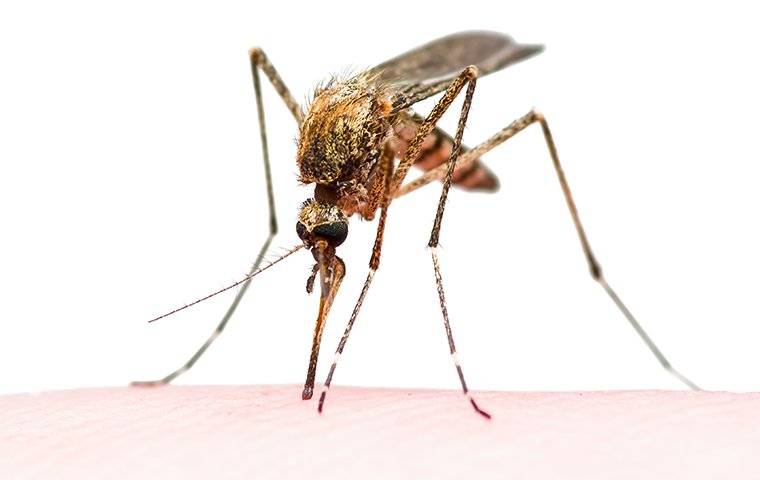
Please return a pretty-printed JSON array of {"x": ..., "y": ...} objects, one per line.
[{"x": 269, "y": 432}]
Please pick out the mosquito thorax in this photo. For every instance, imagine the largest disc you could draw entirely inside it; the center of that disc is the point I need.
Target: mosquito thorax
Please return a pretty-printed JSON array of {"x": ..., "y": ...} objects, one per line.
[
  {"x": 321, "y": 220},
  {"x": 343, "y": 131}
]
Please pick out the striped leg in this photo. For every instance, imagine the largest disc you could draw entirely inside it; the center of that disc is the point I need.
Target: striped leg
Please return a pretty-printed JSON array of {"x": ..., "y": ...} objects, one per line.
[
  {"x": 445, "y": 172},
  {"x": 467, "y": 77},
  {"x": 433, "y": 244}
]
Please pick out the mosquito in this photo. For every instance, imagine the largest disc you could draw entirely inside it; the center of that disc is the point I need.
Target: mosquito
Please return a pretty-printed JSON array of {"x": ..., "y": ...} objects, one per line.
[{"x": 358, "y": 138}]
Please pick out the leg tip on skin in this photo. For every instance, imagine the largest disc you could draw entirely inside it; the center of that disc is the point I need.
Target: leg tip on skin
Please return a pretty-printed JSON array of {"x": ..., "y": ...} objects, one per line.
[
  {"x": 321, "y": 401},
  {"x": 482, "y": 412},
  {"x": 681, "y": 378},
  {"x": 308, "y": 392},
  {"x": 149, "y": 383}
]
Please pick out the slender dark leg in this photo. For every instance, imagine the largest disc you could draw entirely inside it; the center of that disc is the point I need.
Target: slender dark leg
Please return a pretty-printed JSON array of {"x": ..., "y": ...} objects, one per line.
[
  {"x": 467, "y": 77},
  {"x": 445, "y": 171},
  {"x": 258, "y": 61},
  {"x": 433, "y": 244}
]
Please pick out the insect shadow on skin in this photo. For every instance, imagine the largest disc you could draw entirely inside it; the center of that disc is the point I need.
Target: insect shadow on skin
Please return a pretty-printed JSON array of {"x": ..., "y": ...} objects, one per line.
[{"x": 358, "y": 138}]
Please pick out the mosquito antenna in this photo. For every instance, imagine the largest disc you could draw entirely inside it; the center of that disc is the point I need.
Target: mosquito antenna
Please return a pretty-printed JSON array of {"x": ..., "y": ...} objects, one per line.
[{"x": 244, "y": 279}]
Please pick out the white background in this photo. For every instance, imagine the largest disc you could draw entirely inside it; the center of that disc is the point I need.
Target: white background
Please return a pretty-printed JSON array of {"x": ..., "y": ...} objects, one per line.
[{"x": 131, "y": 183}]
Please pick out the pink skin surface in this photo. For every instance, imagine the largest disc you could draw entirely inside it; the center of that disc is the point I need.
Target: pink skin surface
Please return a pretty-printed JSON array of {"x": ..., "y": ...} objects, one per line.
[{"x": 269, "y": 432}]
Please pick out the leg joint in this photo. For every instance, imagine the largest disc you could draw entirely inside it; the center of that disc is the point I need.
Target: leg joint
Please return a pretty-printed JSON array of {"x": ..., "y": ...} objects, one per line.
[
  {"x": 257, "y": 55},
  {"x": 471, "y": 72},
  {"x": 595, "y": 269}
]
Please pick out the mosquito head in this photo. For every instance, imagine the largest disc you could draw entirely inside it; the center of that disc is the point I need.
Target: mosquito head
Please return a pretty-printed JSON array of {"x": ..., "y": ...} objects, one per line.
[
  {"x": 322, "y": 226},
  {"x": 321, "y": 222}
]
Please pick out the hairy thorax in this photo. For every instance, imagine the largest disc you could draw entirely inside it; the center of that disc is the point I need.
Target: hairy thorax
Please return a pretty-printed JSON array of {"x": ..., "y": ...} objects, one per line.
[{"x": 342, "y": 138}]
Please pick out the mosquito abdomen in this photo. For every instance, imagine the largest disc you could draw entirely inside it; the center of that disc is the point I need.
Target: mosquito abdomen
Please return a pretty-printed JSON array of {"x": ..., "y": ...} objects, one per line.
[{"x": 436, "y": 150}]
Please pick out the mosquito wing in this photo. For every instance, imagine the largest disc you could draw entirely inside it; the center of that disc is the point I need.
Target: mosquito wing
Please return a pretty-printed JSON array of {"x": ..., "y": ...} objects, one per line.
[{"x": 429, "y": 69}]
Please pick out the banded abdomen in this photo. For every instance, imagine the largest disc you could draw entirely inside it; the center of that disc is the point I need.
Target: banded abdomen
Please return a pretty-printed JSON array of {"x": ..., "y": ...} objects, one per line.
[{"x": 436, "y": 150}]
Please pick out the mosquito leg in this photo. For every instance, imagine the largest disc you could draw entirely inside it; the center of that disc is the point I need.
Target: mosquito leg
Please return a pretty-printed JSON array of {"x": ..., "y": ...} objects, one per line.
[
  {"x": 377, "y": 189},
  {"x": 433, "y": 243},
  {"x": 413, "y": 151},
  {"x": 594, "y": 267},
  {"x": 374, "y": 263},
  {"x": 258, "y": 61},
  {"x": 466, "y": 158}
]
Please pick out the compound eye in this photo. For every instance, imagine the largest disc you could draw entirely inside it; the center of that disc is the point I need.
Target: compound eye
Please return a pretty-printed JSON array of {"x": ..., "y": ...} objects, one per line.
[
  {"x": 335, "y": 233},
  {"x": 301, "y": 230}
]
